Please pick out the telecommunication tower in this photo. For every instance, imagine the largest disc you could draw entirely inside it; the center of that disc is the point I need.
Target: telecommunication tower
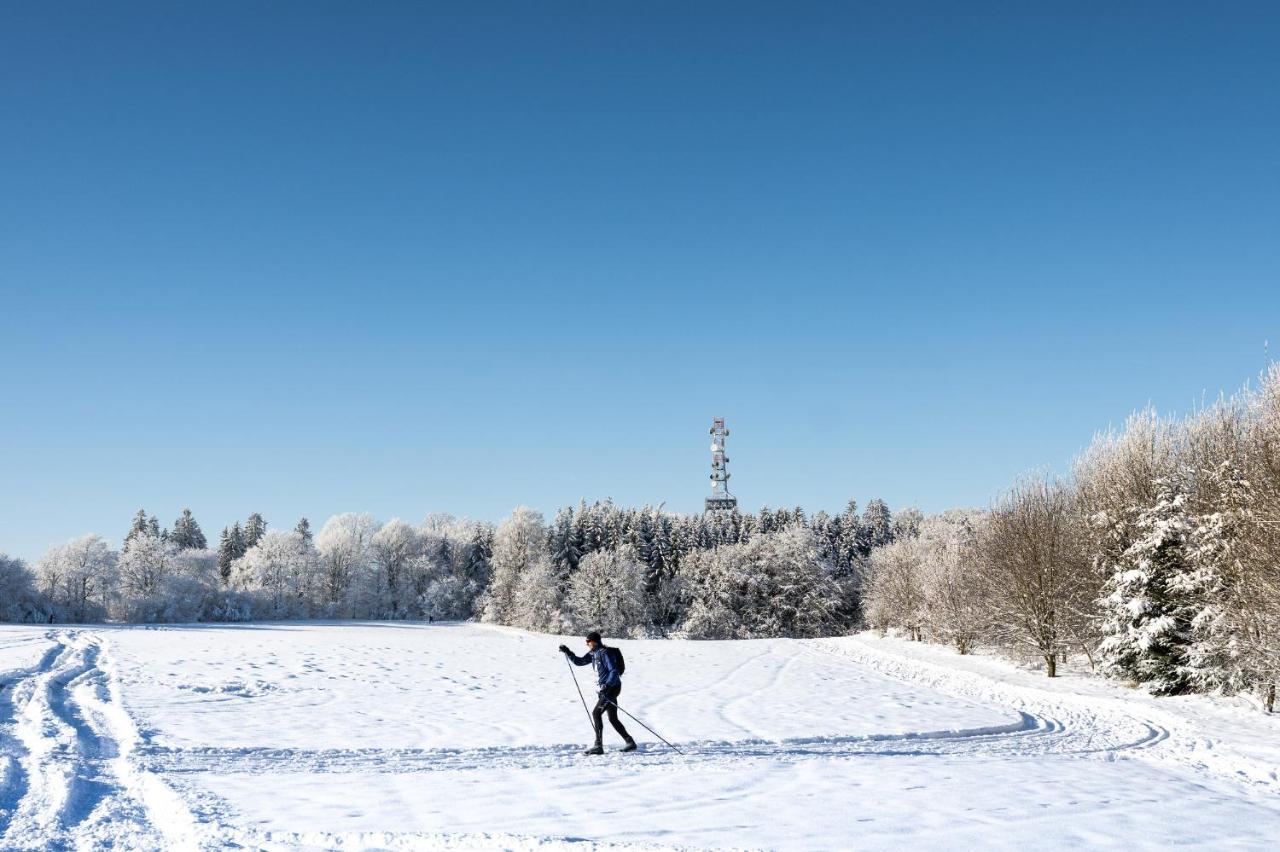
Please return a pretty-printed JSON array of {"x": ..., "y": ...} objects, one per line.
[{"x": 720, "y": 500}]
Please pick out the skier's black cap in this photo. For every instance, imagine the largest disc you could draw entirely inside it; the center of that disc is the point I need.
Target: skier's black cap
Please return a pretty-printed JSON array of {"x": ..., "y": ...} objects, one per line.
[{"x": 593, "y": 636}]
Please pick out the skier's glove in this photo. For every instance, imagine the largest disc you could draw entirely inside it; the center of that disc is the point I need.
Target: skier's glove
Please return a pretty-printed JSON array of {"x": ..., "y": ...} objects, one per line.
[{"x": 564, "y": 649}]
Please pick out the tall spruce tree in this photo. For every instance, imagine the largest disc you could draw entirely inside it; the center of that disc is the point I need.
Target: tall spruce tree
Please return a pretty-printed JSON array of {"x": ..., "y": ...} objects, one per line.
[
  {"x": 227, "y": 547},
  {"x": 877, "y": 526},
  {"x": 303, "y": 529},
  {"x": 137, "y": 528},
  {"x": 254, "y": 529},
  {"x": 187, "y": 534}
]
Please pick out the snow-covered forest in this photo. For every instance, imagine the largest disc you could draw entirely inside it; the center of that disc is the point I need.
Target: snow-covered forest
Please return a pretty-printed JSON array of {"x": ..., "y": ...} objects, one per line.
[
  {"x": 632, "y": 572},
  {"x": 1157, "y": 560}
]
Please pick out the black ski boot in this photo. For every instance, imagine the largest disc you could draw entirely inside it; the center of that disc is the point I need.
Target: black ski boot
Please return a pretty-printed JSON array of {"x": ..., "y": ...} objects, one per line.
[
  {"x": 595, "y": 749},
  {"x": 630, "y": 746}
]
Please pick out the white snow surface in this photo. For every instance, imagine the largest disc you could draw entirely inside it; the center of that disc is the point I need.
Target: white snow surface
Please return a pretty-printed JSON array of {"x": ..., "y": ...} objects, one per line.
[{"x": 461, "y": 736}]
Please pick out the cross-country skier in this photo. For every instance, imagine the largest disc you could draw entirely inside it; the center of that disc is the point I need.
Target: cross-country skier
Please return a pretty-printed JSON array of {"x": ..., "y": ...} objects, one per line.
[{"x": 609, "y": 682}]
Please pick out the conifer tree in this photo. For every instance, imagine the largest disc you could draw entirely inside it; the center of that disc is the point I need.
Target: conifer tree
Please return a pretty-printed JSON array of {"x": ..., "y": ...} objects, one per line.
[
  {"x": 227, "y": 553},
  {"x": 254, "y": 529},
  {"x": 187, "y": 534},
  {"x": 1147, "y": 611},
  {"x": 304, "y": 530},
  {"x": 137, "y": 528}
]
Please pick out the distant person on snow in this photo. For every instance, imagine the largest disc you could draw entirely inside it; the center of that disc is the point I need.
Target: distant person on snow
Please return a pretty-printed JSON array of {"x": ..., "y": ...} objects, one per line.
[{"x": 609, "y": 666}]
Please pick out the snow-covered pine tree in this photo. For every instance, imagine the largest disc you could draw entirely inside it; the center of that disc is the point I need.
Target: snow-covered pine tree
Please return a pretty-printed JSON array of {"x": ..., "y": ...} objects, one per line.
[
  {"x": 187, "y": 534},
  {"x": 849, "y": 539},
  {"x": 153, "y": 528},
  {"x": 560, "y": 542},
  {"x": 1147, "y": 613},
  {"x": 137, "y": 528},
  {"x": 229, "y": 550},
  {"x": 254, "y": 529},
  {"x": 303, "y": 529},
  {"x": 877, "y": 526}
]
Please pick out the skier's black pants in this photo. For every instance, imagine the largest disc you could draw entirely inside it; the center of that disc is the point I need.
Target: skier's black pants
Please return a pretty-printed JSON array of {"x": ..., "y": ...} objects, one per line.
[{"x": 608, "y": 696}]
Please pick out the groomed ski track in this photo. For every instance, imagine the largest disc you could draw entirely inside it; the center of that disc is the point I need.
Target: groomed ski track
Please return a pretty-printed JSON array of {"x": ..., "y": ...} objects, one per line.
[{"x": 75, "y": 773}]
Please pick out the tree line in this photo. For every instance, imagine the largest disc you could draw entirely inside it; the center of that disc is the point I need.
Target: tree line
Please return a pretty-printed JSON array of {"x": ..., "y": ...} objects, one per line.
[
  {"x": 1157, "y": 559},
  {"x": 626, "y": 571}
]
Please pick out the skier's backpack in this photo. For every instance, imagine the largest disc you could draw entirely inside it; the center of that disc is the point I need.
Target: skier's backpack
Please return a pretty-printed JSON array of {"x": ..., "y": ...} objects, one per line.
[{"x": 615, "y": 657}]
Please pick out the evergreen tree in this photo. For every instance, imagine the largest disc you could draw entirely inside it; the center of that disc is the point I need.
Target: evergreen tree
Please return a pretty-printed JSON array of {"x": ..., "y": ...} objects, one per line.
[
  {"x": 1147, "y": 612},
  {"x": 560, "y": 541},
  {"x": 228, "y": 552},
  {"x": 153, "y": 529},
  {"x": 849, "y": 539},
  {"x": 186, "y": 533},
  {"x": 304, "y": 530},
  {"x": 137, "y": 528},
  {"x": 877, "y": 526},
  {"x": 254, "y": 529}
]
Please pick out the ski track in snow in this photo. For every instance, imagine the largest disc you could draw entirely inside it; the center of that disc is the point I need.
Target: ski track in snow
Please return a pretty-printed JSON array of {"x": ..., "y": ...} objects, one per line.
[
  {"x": 1089, "y": 725},
  {"x": 71, "y": 780}
]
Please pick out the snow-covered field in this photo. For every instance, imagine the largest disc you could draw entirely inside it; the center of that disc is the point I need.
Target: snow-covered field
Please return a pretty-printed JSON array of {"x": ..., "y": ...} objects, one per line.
[{"x": 461, "y": 736}]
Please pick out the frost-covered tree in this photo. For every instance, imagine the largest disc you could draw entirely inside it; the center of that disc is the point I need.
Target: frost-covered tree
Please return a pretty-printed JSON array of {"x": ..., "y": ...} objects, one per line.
[
  {"x": 607, "y": 593},
  {"x": 521, "y": 539},
  {"x": 79, "y": 577},
  {"x": 345, "y": 546},
  {"x": 536, "y": 604},
  {"x": 142, "y": 567},
  {"x": 19, "y": 600},
  {"x": 284, "y": 574},
  {"x": 304, "y": 529},
  {"x": 895, "y": 591},
  {"x": 954, "y": 611},
  {"x": 906, "y": 522},
  {"x": 394, "y": 547},
  {"x": 774, "y": 585},
  {"x": 186, "y": 534}
]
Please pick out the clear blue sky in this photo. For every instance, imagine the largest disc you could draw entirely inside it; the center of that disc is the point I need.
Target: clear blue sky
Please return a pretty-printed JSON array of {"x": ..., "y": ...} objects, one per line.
[{"x": 304, "y": 258}]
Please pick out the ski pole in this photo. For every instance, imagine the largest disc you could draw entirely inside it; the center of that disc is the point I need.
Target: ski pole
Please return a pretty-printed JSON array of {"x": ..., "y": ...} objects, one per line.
[
  {"x": 574, "y": 675},
  {"x": 643, "y": 725}
]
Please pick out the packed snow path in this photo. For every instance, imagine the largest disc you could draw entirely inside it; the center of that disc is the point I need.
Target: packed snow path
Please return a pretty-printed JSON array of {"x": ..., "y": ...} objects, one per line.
[
  {"x": 413, "y": 736},
  {"x": 69, "y": 778}
]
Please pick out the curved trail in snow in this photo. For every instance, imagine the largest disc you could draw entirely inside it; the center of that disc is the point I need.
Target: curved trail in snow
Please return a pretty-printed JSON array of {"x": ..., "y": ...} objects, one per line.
[
  {"x": 1092, "y": 725},
  {"x": 75, "y": 783}
]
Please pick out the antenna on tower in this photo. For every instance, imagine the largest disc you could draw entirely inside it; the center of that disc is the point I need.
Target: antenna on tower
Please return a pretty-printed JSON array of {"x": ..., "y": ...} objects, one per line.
[{"x": 720, "y": 500}]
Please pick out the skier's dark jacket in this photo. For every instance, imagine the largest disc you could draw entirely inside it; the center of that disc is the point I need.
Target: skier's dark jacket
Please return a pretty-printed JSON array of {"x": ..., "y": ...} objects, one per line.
[{"x": 606, "y": 671}]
